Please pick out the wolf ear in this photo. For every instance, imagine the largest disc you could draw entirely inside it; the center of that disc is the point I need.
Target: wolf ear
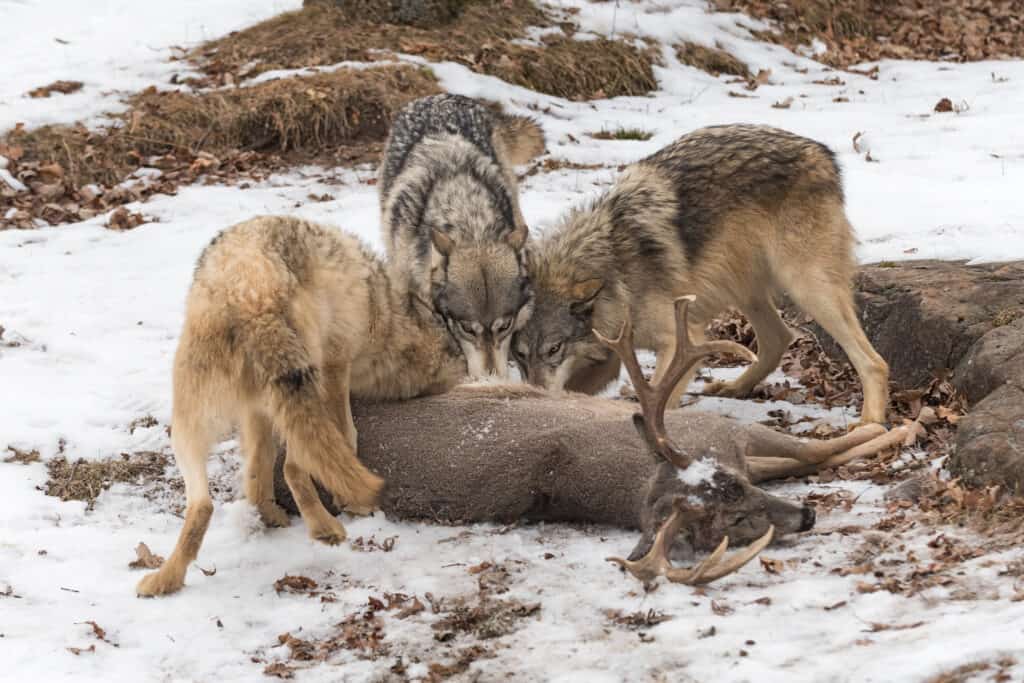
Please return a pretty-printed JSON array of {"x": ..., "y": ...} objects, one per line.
[
  {"x": 585, "y": 291},
  {"x": 517, "y": 237},
  {"x": 442, "y": 242},
  {"x": 583, "y": 295}
]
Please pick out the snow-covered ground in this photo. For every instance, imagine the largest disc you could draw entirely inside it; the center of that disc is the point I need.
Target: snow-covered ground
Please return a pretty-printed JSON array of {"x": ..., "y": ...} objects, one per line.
[{"x": 98, "y": 312}]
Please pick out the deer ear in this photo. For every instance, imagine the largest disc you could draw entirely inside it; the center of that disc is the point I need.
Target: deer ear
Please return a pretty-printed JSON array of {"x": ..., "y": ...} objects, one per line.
[
  {"x": 517, "y": 237},
  {"x": 586, "y": 291},
  {"x": 442, "y": 242}
]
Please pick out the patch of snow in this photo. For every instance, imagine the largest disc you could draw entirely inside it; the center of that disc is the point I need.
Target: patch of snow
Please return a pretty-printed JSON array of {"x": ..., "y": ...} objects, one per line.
[{"x": 700, "y": 471}]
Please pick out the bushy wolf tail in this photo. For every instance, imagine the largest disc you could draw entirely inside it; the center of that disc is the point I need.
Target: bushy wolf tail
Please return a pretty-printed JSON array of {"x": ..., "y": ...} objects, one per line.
[
  {"x": 293, "y": 390},
  {"x": 522, "y": 137}
]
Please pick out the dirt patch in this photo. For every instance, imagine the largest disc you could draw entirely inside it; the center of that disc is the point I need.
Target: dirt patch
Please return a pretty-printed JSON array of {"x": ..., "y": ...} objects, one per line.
[
  {"x": 72, "y": 173},
  {"x": 868, "y": 30},
  {"x": 87, "y": 479},
  {"x": 714, "y": 60},
  {"x": 324, "y": 33}
]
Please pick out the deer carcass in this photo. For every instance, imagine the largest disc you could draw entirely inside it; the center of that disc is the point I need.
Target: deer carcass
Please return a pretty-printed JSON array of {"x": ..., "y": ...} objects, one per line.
[{"x": 507, "y": 452}]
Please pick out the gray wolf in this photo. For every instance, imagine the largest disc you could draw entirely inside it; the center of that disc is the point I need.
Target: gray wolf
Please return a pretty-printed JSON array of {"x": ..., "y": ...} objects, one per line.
[
  {"x": 735, "y": 215},
  {"x": 284, "y": 321},
  {"x": 450, "y": 214}
]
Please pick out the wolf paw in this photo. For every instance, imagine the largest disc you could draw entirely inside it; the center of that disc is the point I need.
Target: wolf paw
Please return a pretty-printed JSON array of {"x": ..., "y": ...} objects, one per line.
[
  {"x": 273, "y": 515},
  {"x": 159, "y": 583},
  {"x": 330, "y": 531},
  {"x": 725, "y": 389}
]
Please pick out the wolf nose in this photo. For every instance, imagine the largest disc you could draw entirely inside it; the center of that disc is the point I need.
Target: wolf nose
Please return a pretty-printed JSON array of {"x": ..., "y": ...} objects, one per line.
[{"x": 807, "y": 518}]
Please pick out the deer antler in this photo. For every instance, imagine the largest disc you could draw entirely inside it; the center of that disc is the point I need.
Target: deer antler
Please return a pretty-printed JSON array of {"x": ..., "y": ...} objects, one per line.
[
  {"x": 656, "y": 563},
  {"x": 653, "y": 396},
  {"x": 650, "y": 422}
]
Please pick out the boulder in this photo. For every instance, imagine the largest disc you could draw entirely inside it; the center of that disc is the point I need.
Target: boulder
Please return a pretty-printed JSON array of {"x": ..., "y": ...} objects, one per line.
[{"x": 931, "y": 317}]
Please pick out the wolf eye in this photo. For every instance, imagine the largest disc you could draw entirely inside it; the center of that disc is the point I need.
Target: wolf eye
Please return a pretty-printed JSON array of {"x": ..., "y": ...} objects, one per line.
[
  {"x": 502, "y": 325},
  {"x": 467, "y": 328},
  {"x": 554, "y": 348}
]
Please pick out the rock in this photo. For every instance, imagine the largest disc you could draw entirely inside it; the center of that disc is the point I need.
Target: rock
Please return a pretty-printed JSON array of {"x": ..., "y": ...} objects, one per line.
[
  {"x": 924, "y": 316},
  {"x": 927, "y": 317}
]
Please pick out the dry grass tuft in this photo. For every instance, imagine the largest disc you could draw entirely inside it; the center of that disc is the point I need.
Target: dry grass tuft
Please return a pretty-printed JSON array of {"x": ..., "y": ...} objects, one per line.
[
  {"x": 714, "y": 60},
  {"x": 87, "y": 479},
  {"x": 187, "y": 135},
  {"x": 575, "y": 69},
  {"x": 323, "y": 33},
  {"x": 622, "y": 134}
]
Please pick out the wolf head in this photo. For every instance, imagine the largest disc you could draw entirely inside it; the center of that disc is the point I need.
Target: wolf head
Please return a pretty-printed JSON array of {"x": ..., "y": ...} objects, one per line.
[
  {"x": 483, "y": 294},
  {"x": 557, "y": 343}
]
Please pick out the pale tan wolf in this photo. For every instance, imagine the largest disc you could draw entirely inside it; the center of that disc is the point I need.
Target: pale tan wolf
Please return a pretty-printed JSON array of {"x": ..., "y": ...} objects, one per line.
[
  {"x": 733, "y": 214},
  {"x": 284, "y": 321},
  {"x": 450, "y": 214}
]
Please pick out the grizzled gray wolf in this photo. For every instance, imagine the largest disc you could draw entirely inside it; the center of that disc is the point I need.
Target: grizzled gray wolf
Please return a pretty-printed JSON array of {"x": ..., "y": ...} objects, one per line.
[
  {"x": 450, "y": 213},
  {"x": 284, "y": 321},
  {"x": 734, "y": 214}
]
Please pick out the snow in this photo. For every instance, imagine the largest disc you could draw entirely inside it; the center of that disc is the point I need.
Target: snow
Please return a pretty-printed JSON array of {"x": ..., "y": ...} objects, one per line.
[{"x": 97, "y": 313}]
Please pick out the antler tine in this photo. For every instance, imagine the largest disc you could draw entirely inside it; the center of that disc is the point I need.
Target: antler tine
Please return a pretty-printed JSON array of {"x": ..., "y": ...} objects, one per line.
[
  {"x": 687, "y": 354},
  {"x": 653, "y": 396},
  {"x": 716, "y": 565},
  {"x": 623, "y": 347}
]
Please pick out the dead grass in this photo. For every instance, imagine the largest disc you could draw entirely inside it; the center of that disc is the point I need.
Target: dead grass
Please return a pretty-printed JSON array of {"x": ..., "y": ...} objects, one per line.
[
  {"x": 191, "y": 134},
  {"x": 968, "y": 672},
  {"x": 87, "y": 479},
  {"x": 575, "y": 69},
  {"x": 713, "y": 60},
  {"x": 325, "y": 33},
  {"x": 622, "y": 134},
  {"x": 479, "y": 38}
]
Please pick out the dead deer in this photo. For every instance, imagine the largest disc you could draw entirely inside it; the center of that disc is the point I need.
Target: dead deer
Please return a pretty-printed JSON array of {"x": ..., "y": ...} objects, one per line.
[{"x": 503, "y": 453}]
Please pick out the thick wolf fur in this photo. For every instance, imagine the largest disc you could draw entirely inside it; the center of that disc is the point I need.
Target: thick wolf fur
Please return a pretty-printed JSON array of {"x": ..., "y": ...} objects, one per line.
[
  {"x": 733, "y": 214},
  {"x": 285, "y": 320},
  {"x": 451, "y": 216}
]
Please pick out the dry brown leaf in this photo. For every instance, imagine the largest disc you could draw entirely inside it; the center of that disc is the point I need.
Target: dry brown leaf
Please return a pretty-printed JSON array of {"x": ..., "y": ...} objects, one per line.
[
  {"x": 145, "y": 558},
  {"x": 772, "y": 566},
  {"x": 295, "y": 584},
  {"x": 944, "y": 105}
]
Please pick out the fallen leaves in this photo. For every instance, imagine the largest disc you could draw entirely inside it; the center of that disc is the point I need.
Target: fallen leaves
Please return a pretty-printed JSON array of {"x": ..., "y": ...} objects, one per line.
[
  {"x": 772, "y": 566},
  {"x": 944, "y": 105},
  {"x": 294, "y": 584},
  {"x": 20, "y": 456},
  {"x": 371, "y": 544},
  {"x": 145, "y": 559},
  {"x": 62, "y": 87},
  {"x": 636, "y": 620},
  {"x": 123, "y": 219}
]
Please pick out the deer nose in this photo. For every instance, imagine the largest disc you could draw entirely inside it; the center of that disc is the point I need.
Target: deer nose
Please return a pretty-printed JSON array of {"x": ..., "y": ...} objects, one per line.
[{"x": 807, "y": 518}]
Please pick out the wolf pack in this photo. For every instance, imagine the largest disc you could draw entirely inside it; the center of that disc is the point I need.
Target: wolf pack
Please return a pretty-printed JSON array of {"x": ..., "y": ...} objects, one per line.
[{"x": 287, "y": 320}]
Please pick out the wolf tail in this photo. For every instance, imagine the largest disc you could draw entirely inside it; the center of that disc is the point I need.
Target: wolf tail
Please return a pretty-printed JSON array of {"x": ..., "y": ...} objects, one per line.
[
  {"x": 292, "y": 389},
  {"x": 522, "y": 137}
]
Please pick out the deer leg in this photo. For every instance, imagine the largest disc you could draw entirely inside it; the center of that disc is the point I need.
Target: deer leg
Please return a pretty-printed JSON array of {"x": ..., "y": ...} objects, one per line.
[
  {"x": 772, "y": 444},
  {"x": 773, "y": 337},
  {"x": 764, "y": 468}
]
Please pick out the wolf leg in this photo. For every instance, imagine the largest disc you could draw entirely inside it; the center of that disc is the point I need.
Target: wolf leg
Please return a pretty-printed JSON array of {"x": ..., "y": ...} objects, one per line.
[
  {"x": 260, "y": 450},
  {"x": 664, "y": 351},
  {"x": 339, "y": 400},
  {"x": 191, "y": 447},
  {"x": 830, "y": 303},
  {"x": 322, "y": 526},
  {"x": 773, "y": 337}
]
